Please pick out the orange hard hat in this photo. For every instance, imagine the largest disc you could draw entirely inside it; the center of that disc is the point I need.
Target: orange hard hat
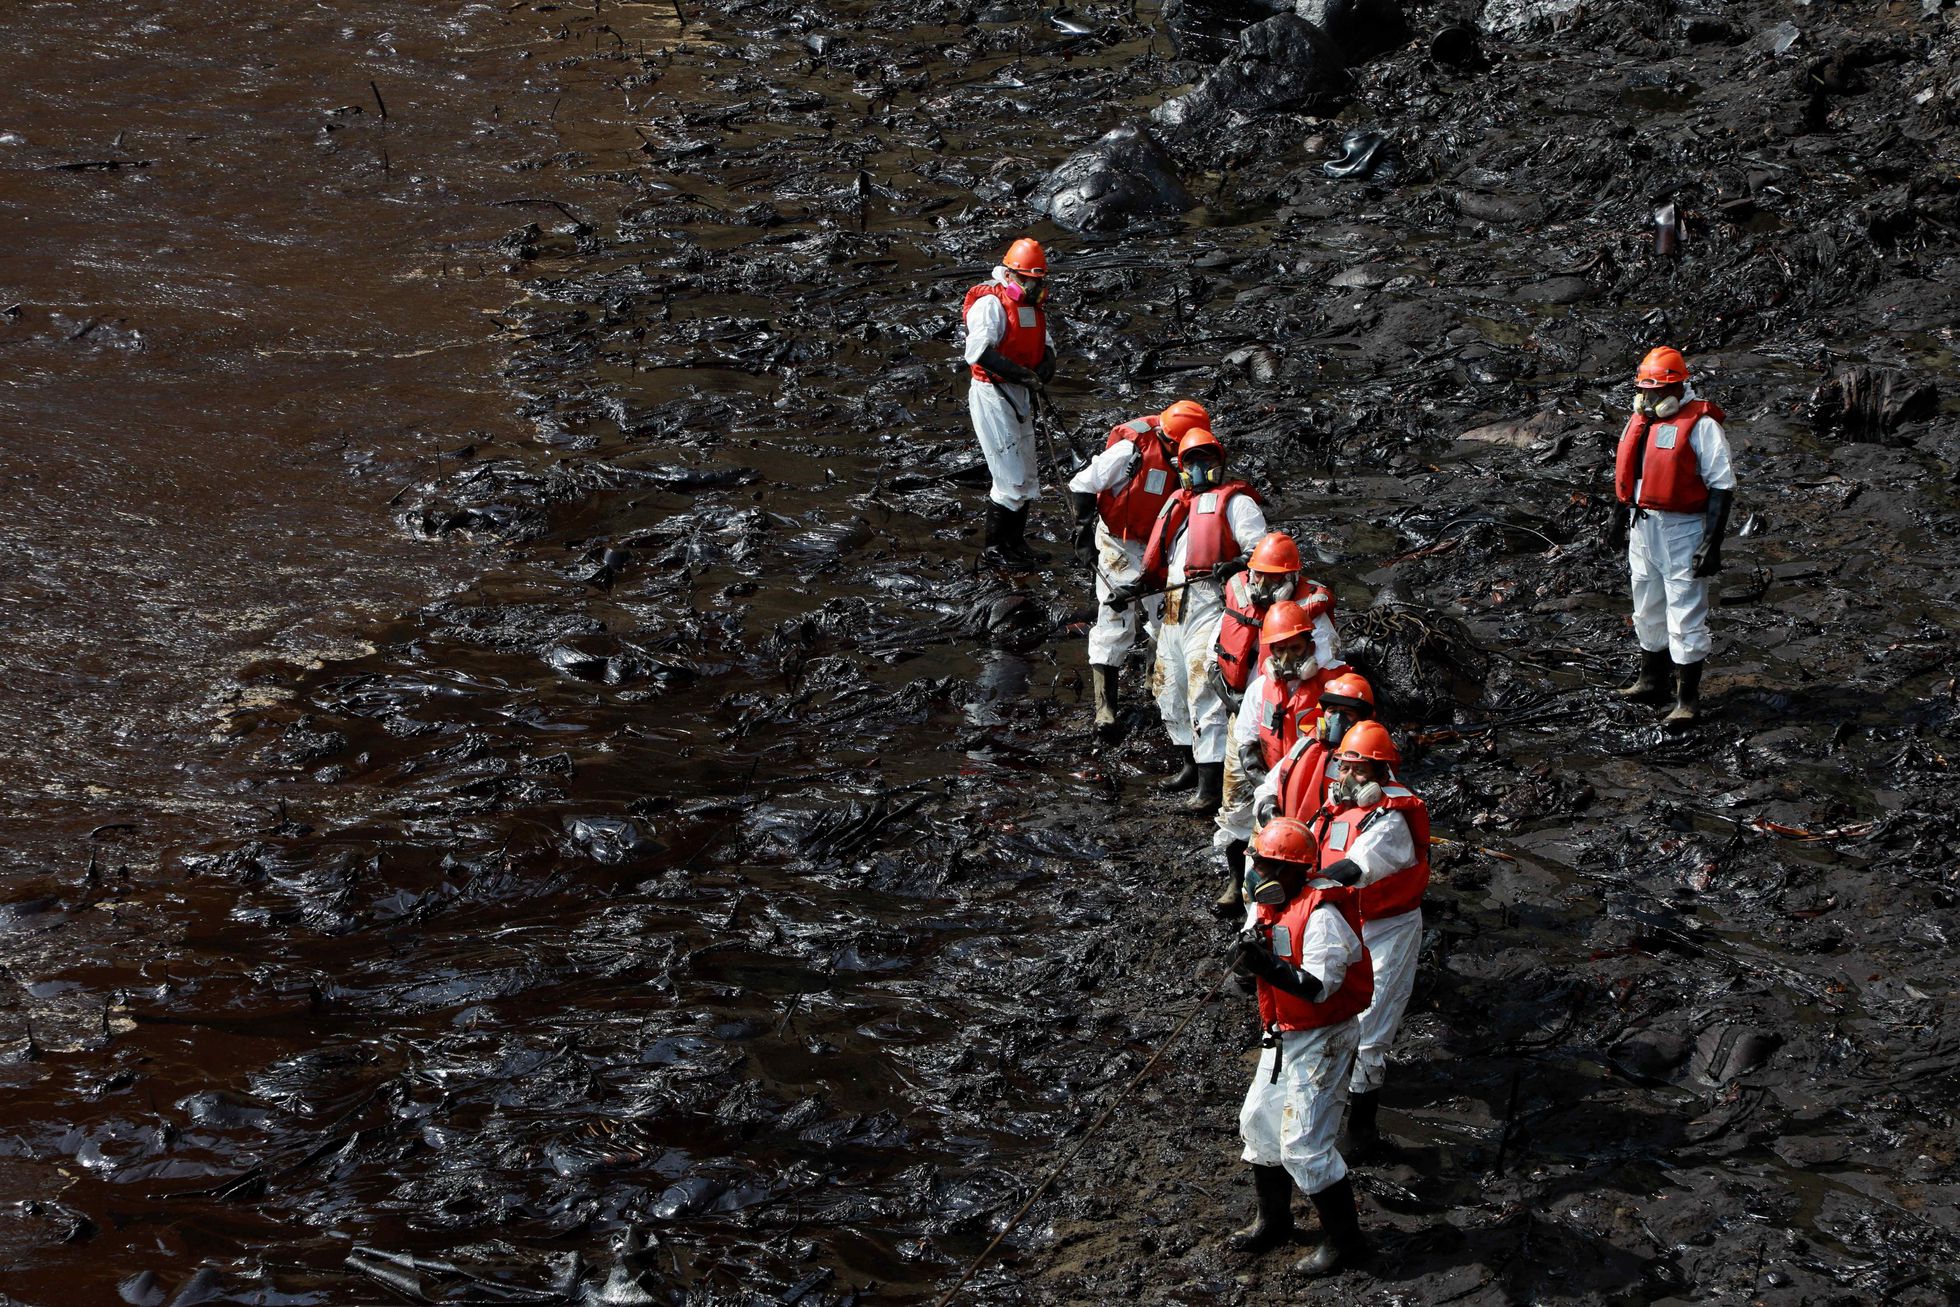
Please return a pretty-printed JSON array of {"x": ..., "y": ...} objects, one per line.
[
  {"x": 1368, "y": 742},
  {"x": 1025, "y": 257},
  {"x": 1198, "y": 438},
  {"x": 1183, "y": 416},
  {"x": 1663, "y": 366},
  {"x": 1352, "y": 686},
  {"x": 1284, "y": 621},
  {"x": 1287, "y": 839},
  {"x": 1276, "y": 554}
]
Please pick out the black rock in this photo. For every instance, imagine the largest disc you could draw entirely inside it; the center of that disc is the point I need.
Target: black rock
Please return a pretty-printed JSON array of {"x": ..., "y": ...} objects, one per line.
[
  {"x": 1285, "y": 62},
  {"x": 1123, "y": 176},
  {"x": 1361, "y": 29}
]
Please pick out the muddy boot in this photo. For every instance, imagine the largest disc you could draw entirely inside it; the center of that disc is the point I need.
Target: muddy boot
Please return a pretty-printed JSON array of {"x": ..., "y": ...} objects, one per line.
[
  {"x": 1105, "y": 682},
  {"x": 1231, "y": 900},
  {"x": 1687, "y": 695},
  {"x": 1183, "y": 778},
  {"x": 1344, "y": 1248},
  {"x": 1364, "y": 1138},
  {"x": 1015, "y": 544},
  {"x": 996, "y": 530},
  {"x": 1211, "y": 789},
  {"x": 1273, "y": 1227},
  {"x": 1651, "y": 685}
]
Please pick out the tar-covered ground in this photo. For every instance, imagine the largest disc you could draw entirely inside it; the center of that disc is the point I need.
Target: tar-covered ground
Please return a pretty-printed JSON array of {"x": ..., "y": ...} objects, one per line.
[{"x": 522, "y": 795}]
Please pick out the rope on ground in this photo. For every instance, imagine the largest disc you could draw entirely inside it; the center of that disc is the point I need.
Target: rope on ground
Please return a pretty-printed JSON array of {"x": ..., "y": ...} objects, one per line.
[{"x": 1116, "y": 1100}]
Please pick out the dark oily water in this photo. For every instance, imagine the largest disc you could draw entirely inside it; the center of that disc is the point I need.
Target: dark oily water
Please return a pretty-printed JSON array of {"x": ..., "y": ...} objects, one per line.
[{"x": 717, "y": 899}]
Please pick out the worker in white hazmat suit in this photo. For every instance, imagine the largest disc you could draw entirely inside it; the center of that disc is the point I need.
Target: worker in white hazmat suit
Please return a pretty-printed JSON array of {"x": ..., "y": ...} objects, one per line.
[
  {"x": 1008, "y": 353},
  {"x": 1673, "y": 487}
]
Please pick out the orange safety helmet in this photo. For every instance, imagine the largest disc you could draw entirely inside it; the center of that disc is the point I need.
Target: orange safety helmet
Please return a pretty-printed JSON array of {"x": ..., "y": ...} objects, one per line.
[
  {"x": 1198, "y": 438},
  {"x": 1352, "y": 686},
  {"x": 1025, "y": 257},
  {"x": 1287, "y": 839},
  {"x": 1285, "y": 620},
  {"x": 1183, "y": 416},
  {"x": 1663, "y": 366},
  {"x": 1368, "y": 742},
  {"x": 1276, "y": 555}
]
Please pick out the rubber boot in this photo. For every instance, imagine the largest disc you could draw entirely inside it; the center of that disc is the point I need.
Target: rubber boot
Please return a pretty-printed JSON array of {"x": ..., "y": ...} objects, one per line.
[
  {"x": 1364, "y": 1137},
  {"x": 1015, "y": 545},
  {"x": 1687, "y": 694},
  {"x": 996, "y": 530},
  {"x": 1231, "y": 900},
  {"x": 1106, "y": 703},
  {"x": 1345, "y": 1247},
  {"x": 1273, "y": 1227},
  {"x": 1211, "y": 789},
  {"x": 1651, "y": 685},
  {"x": 1183, "y": 778}
]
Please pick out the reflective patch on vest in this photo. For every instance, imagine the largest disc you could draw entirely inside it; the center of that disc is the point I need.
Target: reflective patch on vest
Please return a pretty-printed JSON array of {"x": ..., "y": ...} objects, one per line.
[
  {"x": 1282, "y": 942},
  {"x": 1027, "y": 317},
  {"x": 1208, "y": 502},
  {"x": 1337, "y": 836},
  {"x": 1155, "y": 480},
  {"x": 1664, "y": 436},
  {"x": 1269, "y": 716},
  {"x": 1137, "y": 426}
]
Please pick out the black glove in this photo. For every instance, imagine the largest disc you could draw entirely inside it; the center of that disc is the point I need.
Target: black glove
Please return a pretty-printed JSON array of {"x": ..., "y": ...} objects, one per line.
[
  {"x": 1215, "y": 678},
  {"x": 1044, "y": 371},
  {"x": 1708, "y": 555},
  {"x": 1344, "y": 872},
  {"x": 1225, "y": 571},
  {"x": 1616, "y": 527},
  {"x": 1005, "y": 369},
  {"x": 1264, "y": 810},
  {"x": 1252, "y": 760},
  {"x": 1125, "y": 595},
  {"x": 1251, "y": 958},
  {"x": 1085, "y": 527}
]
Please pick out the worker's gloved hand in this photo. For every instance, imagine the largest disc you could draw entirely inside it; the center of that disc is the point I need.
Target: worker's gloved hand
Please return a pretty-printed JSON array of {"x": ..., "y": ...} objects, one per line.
[
  {"x": 1085, "y": 527},
  {"x": 1252, "y": 958},
  {"x": 1345, "y": 872},
  {"x": 1616, "y": 527},
  {"x": 1125, "y": 595},
  {"x": 1252, "y": 760},
  {"x": 1002, "y": 368},
  {"x": 1226, "y": 570},
  {"x": 1044, "y": 371},
  {"x": 1215, "y": 678},
  {"x": 1264, "y": 809},
  {"x": 1708, "y": 555}
]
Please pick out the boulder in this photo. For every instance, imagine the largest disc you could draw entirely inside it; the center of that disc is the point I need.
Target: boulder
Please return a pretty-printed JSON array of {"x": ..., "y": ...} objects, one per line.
[
  {"x": 1284, "y": 62},
  {"x": 1361, "y": 29},
  {"x": 1122, "y": 177}
]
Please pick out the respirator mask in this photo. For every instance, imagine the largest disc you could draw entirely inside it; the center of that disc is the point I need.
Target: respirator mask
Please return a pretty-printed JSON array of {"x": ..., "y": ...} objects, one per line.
[{"x": 1655, "y": 405}]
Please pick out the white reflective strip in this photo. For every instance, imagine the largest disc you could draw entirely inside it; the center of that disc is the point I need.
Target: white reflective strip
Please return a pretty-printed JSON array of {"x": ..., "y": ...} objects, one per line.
[
  {"x": 1398, "y": 791},
  {"x": 1208, "y": 502},
  {"x": 1337, "y": 837},
  {"x": 1282, "y": 943},
  {"x": 1155, "y": 480},
  {"x": 1664, "y": 436},
  {"x": 1027, "y": 317}
]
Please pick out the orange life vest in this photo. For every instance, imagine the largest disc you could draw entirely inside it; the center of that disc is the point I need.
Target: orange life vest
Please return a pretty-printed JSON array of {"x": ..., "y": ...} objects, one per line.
[
  {"x": 1131, "y": 510},
  {"x": 1669, "y": 473},
  {"x": 1026, "y": 340},
  {"x": 1400, "y": 891},
  {"x": 1284, "y": 930},
  {"x": 1208, "y": 538}
]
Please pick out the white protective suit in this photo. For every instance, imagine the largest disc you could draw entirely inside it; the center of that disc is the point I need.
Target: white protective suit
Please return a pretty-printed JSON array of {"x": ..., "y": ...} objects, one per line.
[
  {"x": 1003, "y": 413},
  {"x": 1194, "y": 715},
  {"x": 1118, "y": 562},
  {"x": 1387, "y": 846},
  {"x": 1234, "y": 820},
  {"x": 1670, "y": 604},
  {"x": 1296, "y": 1123}
]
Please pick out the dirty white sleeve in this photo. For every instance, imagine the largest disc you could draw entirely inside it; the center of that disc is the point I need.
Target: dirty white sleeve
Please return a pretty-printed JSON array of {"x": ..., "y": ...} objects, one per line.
[
  {"x": 1711, "y": 446},
  {"x": 1247, "y": 520},
  {"x": 1329, "y": 948},
  {"x": 986, "y": 326},
  {"x": 1326, "y": 642},
  {"x": 1245, "y": 726},
  {"x": 1106, "y": 471},
  {"x": 1384, "y": 848}
]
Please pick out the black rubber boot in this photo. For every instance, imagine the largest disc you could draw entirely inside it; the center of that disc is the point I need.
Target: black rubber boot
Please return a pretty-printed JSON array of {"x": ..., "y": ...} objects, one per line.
[
  {"x": 1687, "y": 694},
  {"x": 1651, "y": 686},
  {"x": 1106, "y": 701},
  {"x": 1015, "y": 544},
  {"x": 1211, "y": 789},
  {"x": 1364, "y": 1137},
  {"x": 1183, "y": 778},
  {"x": 996, "y": 529},
  {"x": 1231, "y": 900},
  {"x": 1344, "y": 1248},
  {"x": 1273, "y": 1227}
]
